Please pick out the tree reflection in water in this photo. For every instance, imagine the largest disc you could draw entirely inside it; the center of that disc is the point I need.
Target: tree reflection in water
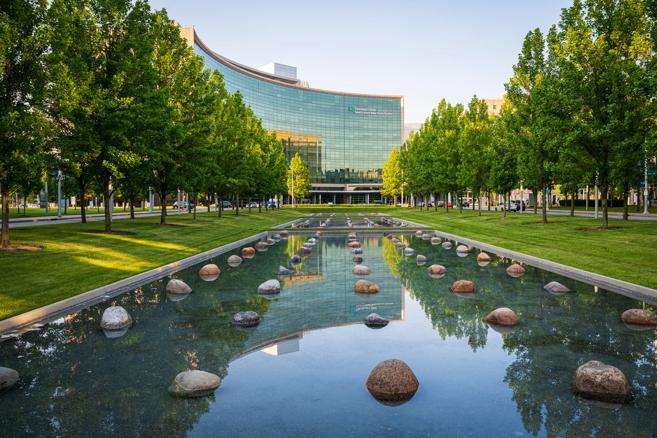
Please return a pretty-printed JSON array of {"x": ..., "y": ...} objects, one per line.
[{"x": 555, "y": 336}]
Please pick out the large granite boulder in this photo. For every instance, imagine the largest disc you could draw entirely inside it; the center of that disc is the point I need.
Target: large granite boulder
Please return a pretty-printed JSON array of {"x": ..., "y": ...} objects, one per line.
[
  {"x": 269, "y": 287},
  {"x": 366, "y": 287},
  {"x": 418, "y": 233},
  {"x": 375, "y": 320},
  {"x": 502, "y": 316},
  {"x": 515, "y": 270},
  {"x": 360, "y": 270},
  {"x": 463, "y": 287},
  {"x": 639, "y": 317},
  {"x": 247, "y": 318},
  {"x": 248, "y": 252},
  {"x": 295, "y": 260},
  {"x": 209, "y": 272},
  {"x": 357, "y": 251},
  {"x": 436, "y": 240},
  {"x": 409, "y": 251},
  {"x": 463, "y": 249},
  {"x": 115, "y": 318},
  {"x": 358, "y": 259},
  {"x": 420, "y": 260},
  {"x": 179, "y": 287},
  {"x": 304, "y": 251},
  {"x": 447, "y": 245},
  {"x": 554, "y": 287},
  {"x": 354, "y": 244},
  {"x": 194, "y": 383},
  {"x": 8, "y": 379},
  {"x": 392, "y": 381},
  {"x": 598, "y": 381},
  {"x": 234, "y": 261}
]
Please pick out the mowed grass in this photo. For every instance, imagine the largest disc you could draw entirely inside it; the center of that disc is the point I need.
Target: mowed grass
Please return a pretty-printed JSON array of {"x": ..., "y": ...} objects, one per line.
[
  {"x": 79, "y": 257},
  {"x": 627, "y": 251}
]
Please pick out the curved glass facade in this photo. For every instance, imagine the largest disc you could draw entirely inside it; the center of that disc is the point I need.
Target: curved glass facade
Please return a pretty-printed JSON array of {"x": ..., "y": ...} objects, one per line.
[{"x": 343, "y": 138}]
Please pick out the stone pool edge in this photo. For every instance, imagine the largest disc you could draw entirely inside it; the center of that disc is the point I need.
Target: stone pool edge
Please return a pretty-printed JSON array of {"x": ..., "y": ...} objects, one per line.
[
  {"x": 94, "y": 296},
  {"x": 621, "y": 287}
]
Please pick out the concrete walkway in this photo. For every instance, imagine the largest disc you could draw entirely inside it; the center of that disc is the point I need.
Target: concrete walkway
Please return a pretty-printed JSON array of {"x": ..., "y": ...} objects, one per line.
[{"x": 69, "y": 219}]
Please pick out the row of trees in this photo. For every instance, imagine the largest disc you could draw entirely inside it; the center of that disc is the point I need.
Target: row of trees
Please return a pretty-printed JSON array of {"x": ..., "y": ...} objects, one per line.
[
  {"x": 109, "y": 93},
  {"x": 579, "y": 111}
]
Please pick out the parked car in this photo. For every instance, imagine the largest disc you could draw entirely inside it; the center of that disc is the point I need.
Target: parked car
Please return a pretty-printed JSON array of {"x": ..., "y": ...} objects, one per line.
[
  {"x": 252, "y": 205},
  {"x": 227, "y": 204},
  {"x": 271, "y": 204}
]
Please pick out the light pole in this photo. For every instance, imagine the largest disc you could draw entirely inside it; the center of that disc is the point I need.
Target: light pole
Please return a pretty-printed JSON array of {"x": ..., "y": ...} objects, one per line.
[
  {"x": 59, "y": 193},
  {"x": 150, "y": 199},
  {"x": 596, "y": 197}
]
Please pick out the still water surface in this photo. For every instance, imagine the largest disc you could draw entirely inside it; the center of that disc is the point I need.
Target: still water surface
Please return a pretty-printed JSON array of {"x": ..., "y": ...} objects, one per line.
[{"x": 302, "y": 371}]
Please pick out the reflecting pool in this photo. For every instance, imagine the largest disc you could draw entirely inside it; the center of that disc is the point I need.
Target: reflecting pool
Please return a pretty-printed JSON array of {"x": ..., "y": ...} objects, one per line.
[{"x": 302, "y": 371}]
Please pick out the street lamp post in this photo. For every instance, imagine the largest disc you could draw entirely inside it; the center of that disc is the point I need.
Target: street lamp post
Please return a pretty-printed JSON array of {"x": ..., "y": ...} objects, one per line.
[
  {"x": 59, "y": 193},
  {"x": 150, "y": 199}
]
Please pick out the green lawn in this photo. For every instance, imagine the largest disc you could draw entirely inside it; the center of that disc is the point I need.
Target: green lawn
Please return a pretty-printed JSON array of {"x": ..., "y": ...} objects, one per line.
[
  {"x": 78, "y": 257},
  {"x": 627, "y": 251}
]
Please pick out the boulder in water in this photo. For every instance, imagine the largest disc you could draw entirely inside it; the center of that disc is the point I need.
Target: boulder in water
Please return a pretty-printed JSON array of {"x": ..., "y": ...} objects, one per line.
[
  {"x": 639, "y": 317},
  {"x": 248, "y": 252},
  {"x": 269, "y": 287},
  {"x": 366, "y": 287},
  {"x": 463, "y": 287},
  {"x": 483, "y": 259},
  {"x": 447, "y": 244},
  {"x": 436, "y": 270},
  {"x": 261, "y": 246},
  {"x": 515, "y": 270},
  {"x": 209, "y": 272},
  {"x": 8, "y": 378},
  {"x": 282, "y": 270},
  {"x": 409, "y": 251},
  {"x": 194, "y": 383},
  {"x": 234, "y": 261},
  {"x": 554, "y": 287},
  {"x": 420, "y": 260},
  {"x": 598, "y": 381},
  {"x": 392, "y": 381},
  {"x": 502, "y": 316},
  {"x": 436, "y": 240},
  {"x": 358, "y": 259},
  {"x": 375, "y": 320},
  {"x": 361, "y": 270},
  {"x": 175, "y": 286},
  {"x": 115, "y": 318},
  {"x": 247, "y": 318}
]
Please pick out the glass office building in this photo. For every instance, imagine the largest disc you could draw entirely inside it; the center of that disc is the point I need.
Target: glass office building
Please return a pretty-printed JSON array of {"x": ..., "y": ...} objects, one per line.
[{"x": 344, "y": 138}]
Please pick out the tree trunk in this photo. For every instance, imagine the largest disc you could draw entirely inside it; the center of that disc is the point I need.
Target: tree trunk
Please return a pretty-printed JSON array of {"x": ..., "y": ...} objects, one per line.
[
  {"x": 163, "y": 203},
  {"x": 505, "y": 205},
  {"x": 447, "y": 202},
  {"x": 195, "y": 202},
  {"x": 107, "y": 195},
  {"x": 24, "y": 205},
  {"x": 488, "y": 199},
  {"x": 5, "y": 218},
  {"x": 605, "y": 211},
  {"x": 83, "y": 205},
  {"x": 544, "y": 209},
  {"x": 572, "y": 205},
  {"x": 535, "y": 190},
  {"x": 249, "y": 201},
  {"x": 479, "y": 201},
  {"x": 237, "y": 204},
  {"x": 626, "y": 197},
  {"x": 460, "y": 203},
  {"x": 132, "y": 207},
  {"x": 220, "y": 207}
]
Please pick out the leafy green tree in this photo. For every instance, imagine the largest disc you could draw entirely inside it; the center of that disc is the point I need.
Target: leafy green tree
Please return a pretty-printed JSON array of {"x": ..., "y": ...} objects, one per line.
[
  {"x": 298, "y": 179},
  {"x": 503, "y": 155},
  {"x": 23, "y": 125},
  {"x": 531, "y": 90},
  {"x": 392, "y": 176},
  {"x": 99, "y": 56},
  {"x": 602, "y": 50},
  {"x": 475, "y": 145}
]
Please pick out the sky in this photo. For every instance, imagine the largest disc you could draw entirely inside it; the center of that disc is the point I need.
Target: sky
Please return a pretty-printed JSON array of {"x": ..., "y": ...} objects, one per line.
[{"x": 424, "y": 50}]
